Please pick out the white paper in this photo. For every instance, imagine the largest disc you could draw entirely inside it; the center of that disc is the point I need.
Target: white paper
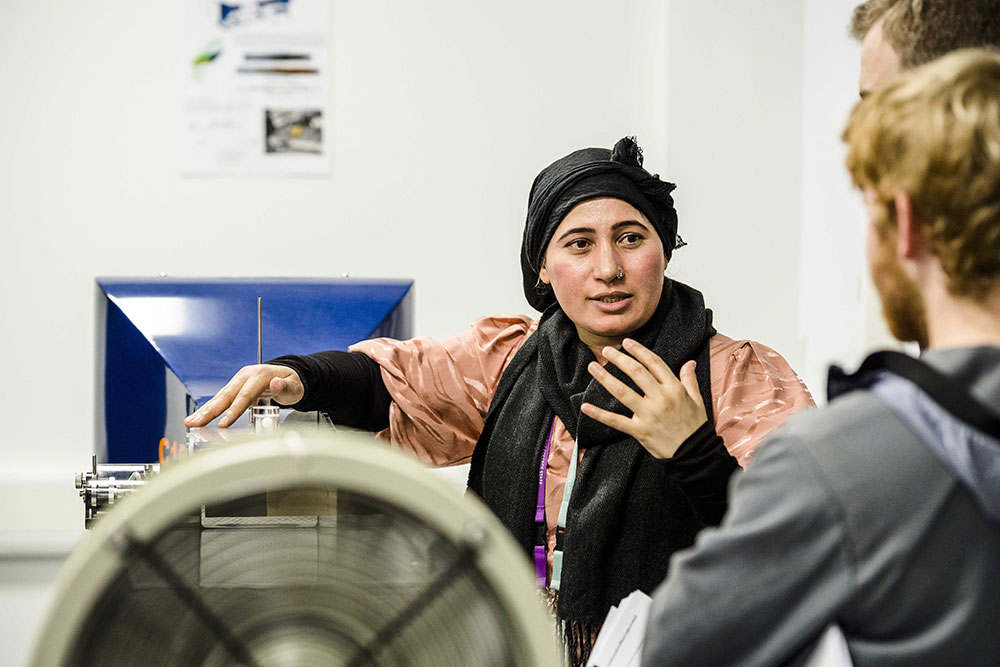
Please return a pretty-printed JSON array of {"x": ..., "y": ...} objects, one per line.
[
  {"x": 253, "y": 87},
  {"x": 619, "y": 643},
  {"x": 831, "y": 651}
]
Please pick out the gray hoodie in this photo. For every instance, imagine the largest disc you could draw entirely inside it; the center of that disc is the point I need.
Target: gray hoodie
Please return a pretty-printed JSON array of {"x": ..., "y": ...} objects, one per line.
[{"x": 877, "y": 513}]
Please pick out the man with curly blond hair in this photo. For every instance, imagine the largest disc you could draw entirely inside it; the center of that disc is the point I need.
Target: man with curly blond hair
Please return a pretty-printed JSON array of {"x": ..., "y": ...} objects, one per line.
[{"x": 880, "y": 513}]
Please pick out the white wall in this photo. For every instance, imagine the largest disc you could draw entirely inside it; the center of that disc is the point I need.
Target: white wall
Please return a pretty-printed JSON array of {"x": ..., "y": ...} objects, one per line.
[
  {"x": 840, "y": 317},
  {"x": 441, "y": 115},
  {"x": 735, "y": 146}
]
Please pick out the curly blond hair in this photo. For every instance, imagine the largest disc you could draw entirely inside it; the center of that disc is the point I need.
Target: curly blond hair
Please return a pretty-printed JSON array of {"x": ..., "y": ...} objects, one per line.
[{"x": 935, "y": 134}]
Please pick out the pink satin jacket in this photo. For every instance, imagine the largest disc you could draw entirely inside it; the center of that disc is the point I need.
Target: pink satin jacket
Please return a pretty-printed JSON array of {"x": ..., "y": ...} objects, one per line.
[{"x": 441, "y": 391}]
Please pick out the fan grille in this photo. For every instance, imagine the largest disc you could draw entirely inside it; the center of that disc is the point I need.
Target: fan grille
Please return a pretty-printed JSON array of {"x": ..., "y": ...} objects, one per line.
[{"x": 364, "y": 583}]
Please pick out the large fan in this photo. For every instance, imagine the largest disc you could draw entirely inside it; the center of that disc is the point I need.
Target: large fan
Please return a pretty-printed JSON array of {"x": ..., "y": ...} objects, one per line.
[{"x": 299, "y": 549}]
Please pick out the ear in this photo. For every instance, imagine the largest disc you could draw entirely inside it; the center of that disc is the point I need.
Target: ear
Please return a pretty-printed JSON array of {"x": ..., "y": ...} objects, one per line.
[
  {"x": 543, "y": 275},
  {"x": 909, "y": 242}
]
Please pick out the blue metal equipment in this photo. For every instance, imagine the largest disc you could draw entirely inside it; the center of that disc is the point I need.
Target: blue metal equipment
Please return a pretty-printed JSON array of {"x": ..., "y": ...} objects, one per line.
[{"x": 167, "y": 345}]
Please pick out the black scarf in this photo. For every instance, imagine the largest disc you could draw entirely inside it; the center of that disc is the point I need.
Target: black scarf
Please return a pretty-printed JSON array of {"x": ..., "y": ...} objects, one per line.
[{"x": 625, "y": 517}]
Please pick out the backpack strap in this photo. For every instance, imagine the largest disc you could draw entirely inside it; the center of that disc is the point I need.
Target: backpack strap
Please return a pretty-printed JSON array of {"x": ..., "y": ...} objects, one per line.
[{"x": 947, "y": 392}]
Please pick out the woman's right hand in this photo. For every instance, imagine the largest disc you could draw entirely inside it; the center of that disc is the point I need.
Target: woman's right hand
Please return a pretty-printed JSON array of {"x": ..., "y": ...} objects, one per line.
[{"x": 251, "y": 382}]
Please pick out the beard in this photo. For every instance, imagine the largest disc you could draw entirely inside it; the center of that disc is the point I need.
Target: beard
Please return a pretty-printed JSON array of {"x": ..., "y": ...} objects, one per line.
[{"x": 902, "y": 304}]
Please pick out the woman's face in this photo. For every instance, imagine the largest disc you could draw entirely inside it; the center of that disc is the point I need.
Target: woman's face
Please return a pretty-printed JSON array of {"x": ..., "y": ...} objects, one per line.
[{"x": 596, "y": 239}]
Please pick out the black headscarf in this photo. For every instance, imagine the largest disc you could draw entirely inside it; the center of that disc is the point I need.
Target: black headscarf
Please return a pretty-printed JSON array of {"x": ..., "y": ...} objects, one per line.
[{"x": 590, "y": 173}]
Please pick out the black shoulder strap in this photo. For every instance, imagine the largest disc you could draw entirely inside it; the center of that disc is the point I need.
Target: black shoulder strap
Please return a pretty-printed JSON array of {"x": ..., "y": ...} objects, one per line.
[{"x": 945, "y": 391}]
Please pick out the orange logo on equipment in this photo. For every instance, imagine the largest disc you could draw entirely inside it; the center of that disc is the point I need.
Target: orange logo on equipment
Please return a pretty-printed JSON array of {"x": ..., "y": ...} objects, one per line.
[{"x": 170, "y": 450}]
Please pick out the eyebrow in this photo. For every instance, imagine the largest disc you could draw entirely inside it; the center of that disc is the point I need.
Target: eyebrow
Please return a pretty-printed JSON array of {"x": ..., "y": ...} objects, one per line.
[{"x": 591, "y": 230}]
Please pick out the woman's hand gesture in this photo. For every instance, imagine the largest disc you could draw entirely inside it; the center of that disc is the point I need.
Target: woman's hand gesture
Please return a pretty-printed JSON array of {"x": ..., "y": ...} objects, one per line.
[
  {"x": 251, "y": 382},
  {"x": 667, "y": 412}
]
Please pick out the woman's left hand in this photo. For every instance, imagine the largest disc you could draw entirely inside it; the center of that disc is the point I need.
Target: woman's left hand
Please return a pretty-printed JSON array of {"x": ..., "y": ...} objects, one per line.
[{"x": 667, "y": 412}]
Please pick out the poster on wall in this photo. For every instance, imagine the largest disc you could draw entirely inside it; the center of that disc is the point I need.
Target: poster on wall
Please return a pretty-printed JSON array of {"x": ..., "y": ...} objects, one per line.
[{"x": 253, "y": 87}]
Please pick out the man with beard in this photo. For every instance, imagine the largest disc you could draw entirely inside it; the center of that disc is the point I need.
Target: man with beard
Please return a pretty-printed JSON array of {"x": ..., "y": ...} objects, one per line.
[
  {"x": 897, "y": 35},
  {"x": 880, "y": 513}
]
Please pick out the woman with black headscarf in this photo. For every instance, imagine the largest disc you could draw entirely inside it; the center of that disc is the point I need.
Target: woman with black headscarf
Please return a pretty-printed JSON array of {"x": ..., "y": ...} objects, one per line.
[{"x": 603, "y": 434}]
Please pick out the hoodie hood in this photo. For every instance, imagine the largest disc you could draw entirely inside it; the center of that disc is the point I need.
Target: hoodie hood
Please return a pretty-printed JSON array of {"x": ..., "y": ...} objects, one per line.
[
  {"x": 951, "y": 400},
  {"x": 971, "y": 454}
]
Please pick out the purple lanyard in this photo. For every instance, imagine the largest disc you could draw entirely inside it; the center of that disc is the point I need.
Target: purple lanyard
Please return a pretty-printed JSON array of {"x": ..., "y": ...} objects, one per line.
[{"x": 541, "y": 540}]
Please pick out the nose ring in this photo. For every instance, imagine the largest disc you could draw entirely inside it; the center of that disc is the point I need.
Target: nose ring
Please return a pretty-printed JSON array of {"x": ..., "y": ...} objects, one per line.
[{"x": 621, "y": 274}]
